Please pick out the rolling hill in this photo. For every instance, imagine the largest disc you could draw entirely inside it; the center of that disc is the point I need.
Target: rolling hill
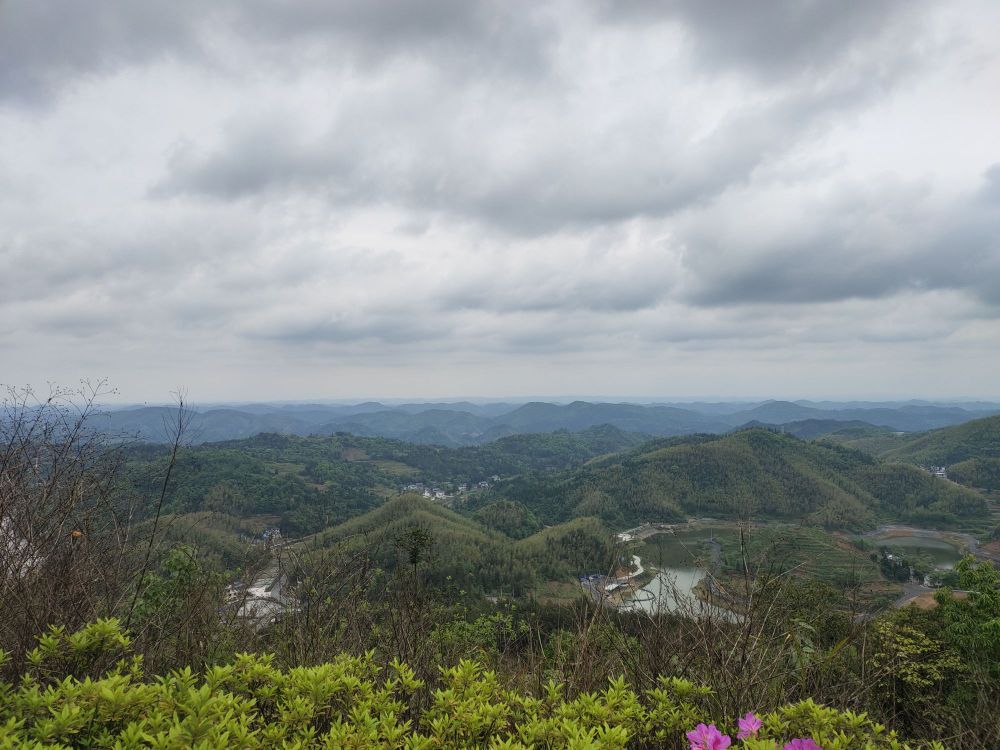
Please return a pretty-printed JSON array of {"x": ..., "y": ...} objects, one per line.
[
  {"x": 308, "y": 483},
  {"x": 753, "y": 472},
  {"x": 653, "y": 420},
  {"x": 979, "y": 438},
  {"x": 971, "y": 451},
  {"x": 458, "y": 551},
  {"x": 809, "y": 429}
]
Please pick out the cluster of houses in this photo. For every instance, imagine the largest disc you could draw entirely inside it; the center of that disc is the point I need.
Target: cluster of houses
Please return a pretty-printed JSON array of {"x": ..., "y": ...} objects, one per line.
[
  {"x": 446, "y": 496},
  {"x": 938, "y": 471}
]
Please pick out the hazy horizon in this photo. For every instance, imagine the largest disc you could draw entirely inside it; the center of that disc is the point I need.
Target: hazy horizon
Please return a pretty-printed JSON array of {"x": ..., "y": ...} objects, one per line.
[{"x": 555, "y": 399}]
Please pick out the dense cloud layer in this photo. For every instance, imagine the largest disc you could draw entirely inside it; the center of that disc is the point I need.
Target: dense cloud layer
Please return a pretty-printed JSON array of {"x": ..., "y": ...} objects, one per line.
[{"x": 337, "y": 198}]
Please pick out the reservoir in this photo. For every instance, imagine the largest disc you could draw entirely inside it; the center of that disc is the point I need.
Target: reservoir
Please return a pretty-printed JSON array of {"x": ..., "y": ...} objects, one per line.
[{"x": 670, "y": 590}]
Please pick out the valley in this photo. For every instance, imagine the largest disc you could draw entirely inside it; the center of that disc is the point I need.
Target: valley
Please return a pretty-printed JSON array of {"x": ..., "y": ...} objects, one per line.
[
  {"x": 527, "y": 514},
  {"x": 550, "y": 548}
]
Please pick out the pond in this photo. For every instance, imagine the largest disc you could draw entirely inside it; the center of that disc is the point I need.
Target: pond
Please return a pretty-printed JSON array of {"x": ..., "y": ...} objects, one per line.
[
  {"x": 672, "y": 590},
  {"x": 944, "y": 554},
  {"x": 668, "y": 591}
]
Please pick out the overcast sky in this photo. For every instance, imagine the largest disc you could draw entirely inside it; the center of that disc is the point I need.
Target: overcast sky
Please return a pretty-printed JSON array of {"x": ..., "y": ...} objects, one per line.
[{"x": 335, "y": 199}]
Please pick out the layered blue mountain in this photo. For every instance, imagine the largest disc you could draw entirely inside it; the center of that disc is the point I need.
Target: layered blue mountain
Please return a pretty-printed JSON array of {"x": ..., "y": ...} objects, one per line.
[{"x": 468, "y": 423}]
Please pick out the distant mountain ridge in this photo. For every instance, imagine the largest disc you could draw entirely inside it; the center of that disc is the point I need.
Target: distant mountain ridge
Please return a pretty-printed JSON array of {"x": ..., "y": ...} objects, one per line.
[
  {"x": 807, "y": 429},
  {"x": 467, "y": 423}
]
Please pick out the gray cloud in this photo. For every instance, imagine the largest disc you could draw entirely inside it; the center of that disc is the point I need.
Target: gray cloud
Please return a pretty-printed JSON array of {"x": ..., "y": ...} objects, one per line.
[
  {"x": 45, "y": 47},
  {"x": 773, "y": 39},
  {"x": 646, "y": 161},
  {"x": 867, "y": 242},
  {"x": 488, "y": 35},
  {"x": 487, "y": 196}
]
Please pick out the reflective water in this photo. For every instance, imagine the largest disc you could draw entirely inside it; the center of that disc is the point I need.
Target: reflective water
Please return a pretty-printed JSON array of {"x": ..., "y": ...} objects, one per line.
[{"x": 672, "y": 590}]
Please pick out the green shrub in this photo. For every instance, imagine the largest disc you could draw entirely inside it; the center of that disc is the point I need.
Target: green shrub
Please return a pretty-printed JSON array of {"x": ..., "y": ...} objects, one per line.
[{"x": 353, "y": 702}]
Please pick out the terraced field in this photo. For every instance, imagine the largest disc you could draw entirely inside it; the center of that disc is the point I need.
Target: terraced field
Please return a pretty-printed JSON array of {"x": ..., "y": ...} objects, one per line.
[
  {"x": 811, "y": 553},
  {"x": 776, "y": 548},
  {"x": 697, "y": 547}
]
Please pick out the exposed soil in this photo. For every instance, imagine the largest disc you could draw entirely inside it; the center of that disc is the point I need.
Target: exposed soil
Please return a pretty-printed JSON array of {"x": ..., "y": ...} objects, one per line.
[{"x": 926, "y": 599}]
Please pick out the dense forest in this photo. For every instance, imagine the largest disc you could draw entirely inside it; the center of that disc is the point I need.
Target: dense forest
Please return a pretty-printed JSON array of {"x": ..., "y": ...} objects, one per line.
[
  {"x": 979, "y": 438},
  {"x": 751, "y": 473},
  {"x": 456, "y": 551},
  {"x": 970, "y": 451},
  {"x": 309, "y": 483}
]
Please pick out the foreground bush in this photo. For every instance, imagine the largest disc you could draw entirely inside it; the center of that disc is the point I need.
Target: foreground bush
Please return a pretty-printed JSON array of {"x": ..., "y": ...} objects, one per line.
[{"x": 85, "y": 690}]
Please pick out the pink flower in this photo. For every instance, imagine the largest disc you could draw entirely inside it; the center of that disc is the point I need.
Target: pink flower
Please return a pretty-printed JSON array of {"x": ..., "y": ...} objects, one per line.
[
  {"x": 708, "y": 738},
  {"x": 802, "y": 744},
  {"x": 749, "y": 726}
]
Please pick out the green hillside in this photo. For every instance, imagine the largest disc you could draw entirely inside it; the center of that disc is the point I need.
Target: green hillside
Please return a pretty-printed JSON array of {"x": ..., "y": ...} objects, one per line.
[
  {"x": 510, "y": 518},
  {"x": 456, "y": 550},
  {"x": 977, "y": 439},
  {"x": 305, "y": 484},
  {"x": 749, "y": 473},
  {"x": 977, "y": 472},
  {"x": 971, "y": 451},
  {"x": 872, "y": 440}
]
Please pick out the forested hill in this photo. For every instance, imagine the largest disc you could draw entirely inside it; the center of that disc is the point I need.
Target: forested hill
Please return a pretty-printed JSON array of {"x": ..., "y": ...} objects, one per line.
[
  {"x": 906, "y": 417},
  {"x": 971, "y": 451},
  {"x": 457, "y": 551},
  {"x": 305, "y": 484},
  {"x": 753, "y": 472},
  {"x": 979, "y": 438},
  {"x": 808, "y": 429}
]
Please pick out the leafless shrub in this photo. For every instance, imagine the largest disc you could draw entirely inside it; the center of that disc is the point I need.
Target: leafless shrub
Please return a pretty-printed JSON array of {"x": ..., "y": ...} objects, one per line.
[{"x": 64, "y": 518}]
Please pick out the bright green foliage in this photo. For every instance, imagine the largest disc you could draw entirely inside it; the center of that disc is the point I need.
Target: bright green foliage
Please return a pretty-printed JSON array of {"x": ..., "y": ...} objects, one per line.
[
  {"x": 973, "y": 624},
  {"x": 92, "y": 650},
  {"x": 909, "y": 656},
  {"x": 354, "y": 702},
  {"x": 831, "y": 729}
]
